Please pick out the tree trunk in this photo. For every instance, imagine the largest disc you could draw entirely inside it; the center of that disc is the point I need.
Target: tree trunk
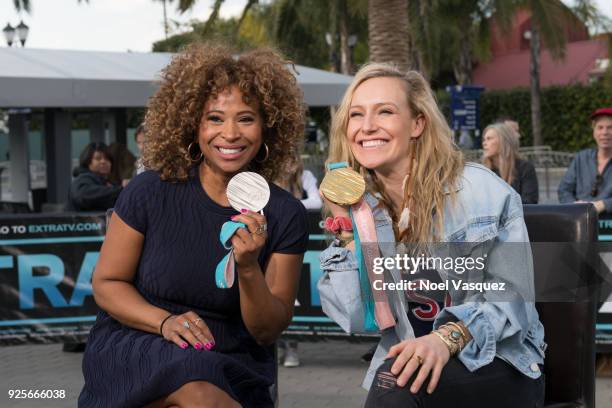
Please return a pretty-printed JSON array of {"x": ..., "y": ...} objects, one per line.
[
  {"x": 463, "y": 66},
  {"x": 165, "y": 19},
  {"x": 534, "y": 74},
  {"x": 388, "y": 34},
  {"x": 345, "y": 51}
]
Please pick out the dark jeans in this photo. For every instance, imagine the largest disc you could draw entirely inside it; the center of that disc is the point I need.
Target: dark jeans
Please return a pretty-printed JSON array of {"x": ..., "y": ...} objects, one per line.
[{"x": 496, "y": 385}]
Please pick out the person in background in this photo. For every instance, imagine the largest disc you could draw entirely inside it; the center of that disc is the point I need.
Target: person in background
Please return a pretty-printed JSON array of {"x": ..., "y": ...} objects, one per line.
[
  {"x": 124, "y": 163},
  {"x": 589, "y": 178},
  {"x": 500, "y": 154},
  {"x": 139, "y": 137},
  {"x": 302, "y": 184},
  {"x": 507, "y": 120},
  {"x": 91, "y": 189}
]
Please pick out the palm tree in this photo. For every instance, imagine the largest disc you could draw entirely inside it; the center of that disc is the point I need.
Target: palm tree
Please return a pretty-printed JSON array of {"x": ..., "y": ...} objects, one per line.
[
  {"x": 185, "y": 5},
  {"x": 388, "y": 32},
  {"x": 548, "y": 17},
  {"x": 26, "y": 5},
  {"x": 22, "y": 5}
]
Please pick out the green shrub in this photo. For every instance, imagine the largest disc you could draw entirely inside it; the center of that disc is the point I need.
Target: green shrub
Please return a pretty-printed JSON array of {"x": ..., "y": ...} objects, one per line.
[{"x": 565, "y": 113}]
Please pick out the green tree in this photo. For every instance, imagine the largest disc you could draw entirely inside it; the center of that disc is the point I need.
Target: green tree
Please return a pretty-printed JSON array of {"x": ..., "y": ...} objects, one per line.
[
  {"x": 184, "y": 5},
  {"x": 300, "y": 28},
  {"x": 251, "y": 33}
]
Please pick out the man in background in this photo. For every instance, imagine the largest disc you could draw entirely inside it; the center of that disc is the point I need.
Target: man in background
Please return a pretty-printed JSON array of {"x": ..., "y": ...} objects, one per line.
[{"x": 589, "y": 176}]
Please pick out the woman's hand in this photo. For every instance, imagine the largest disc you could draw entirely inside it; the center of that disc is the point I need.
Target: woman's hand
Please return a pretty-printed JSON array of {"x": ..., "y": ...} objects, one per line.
[
  {"x": 188, "y": 328},
  {"x": 248, "y": 244},
  {"x": 427, "y": 354}
]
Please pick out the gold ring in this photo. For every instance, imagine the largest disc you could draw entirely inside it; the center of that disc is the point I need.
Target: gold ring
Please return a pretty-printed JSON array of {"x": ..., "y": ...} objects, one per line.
[
  {"x": 197, "y": 320},
  {"x": 419, "y": 360}
]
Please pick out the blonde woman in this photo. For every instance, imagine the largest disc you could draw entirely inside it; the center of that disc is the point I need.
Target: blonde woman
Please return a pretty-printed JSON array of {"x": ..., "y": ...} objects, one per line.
[
  {"x": 459, "y": 348},
  {"x": 500, "y": 154}
]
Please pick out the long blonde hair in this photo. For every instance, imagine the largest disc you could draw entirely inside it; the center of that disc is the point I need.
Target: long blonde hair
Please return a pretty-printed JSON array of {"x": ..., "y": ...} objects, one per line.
[
  {"x": 508, "y": 151},
  {"x": 437, "y": 162}
]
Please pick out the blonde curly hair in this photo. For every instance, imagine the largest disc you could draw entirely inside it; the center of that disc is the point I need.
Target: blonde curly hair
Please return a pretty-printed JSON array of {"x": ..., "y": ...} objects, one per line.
[{"x": 203, "y": 71}]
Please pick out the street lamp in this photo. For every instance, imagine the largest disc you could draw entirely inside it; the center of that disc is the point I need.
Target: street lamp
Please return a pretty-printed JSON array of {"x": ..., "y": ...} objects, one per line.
[
  {"x": 22, "y": 33},
  {"x": 9, "y": 34}
]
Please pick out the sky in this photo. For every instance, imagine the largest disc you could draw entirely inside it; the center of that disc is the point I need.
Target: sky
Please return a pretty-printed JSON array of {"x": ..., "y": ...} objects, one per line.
[{"x": 117, "y": 25}]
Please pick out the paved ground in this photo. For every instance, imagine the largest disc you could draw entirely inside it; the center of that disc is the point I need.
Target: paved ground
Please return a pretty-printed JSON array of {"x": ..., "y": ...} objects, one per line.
[{"x": 330, "y": 376}]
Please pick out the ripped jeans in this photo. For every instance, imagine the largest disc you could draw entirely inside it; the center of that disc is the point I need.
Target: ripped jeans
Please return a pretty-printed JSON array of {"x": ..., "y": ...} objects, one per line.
[{"x": 495, "y": 385}]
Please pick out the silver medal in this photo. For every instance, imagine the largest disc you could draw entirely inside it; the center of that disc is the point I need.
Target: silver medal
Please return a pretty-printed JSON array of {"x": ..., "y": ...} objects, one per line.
[{"x": 248, "y": 190}]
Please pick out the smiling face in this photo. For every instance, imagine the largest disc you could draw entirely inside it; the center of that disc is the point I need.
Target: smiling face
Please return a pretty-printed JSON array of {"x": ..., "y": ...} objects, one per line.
[
  {"x": 230, "y": 133},
  {"x": 490, "y": 143},
  {"x": 381, "y": 125},
  {"x": 602, "y": 132}
]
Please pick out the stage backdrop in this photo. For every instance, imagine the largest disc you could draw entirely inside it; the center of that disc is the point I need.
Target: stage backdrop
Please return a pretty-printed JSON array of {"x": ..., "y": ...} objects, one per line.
[{"x": 46, "y": 264}]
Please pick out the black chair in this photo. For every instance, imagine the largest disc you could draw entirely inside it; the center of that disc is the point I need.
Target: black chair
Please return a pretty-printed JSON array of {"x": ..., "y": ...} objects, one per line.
[{"x": 570, "y": 326}]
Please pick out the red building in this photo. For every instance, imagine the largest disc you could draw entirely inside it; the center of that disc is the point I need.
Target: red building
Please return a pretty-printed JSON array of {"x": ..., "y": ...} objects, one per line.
[{"x": 508, "y": 67}]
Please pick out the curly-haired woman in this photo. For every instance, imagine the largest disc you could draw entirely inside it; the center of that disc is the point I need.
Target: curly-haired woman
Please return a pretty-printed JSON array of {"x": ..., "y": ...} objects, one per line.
[
  {"x": 471, "y": 345},
  {"x": 166, "y": 335}
]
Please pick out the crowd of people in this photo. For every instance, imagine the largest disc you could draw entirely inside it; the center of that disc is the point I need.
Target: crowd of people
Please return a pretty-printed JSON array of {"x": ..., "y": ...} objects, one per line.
[{"x": 167, "y": 335}]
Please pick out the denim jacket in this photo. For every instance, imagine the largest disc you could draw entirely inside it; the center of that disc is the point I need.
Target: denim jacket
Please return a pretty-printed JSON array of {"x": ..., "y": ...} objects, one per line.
[{"x": 487, "y": 212}]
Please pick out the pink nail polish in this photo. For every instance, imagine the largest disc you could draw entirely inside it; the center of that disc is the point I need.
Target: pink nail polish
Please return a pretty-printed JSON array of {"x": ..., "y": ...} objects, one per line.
[
  {"x": 243, "y": 210},
  {"x": 208, "y": 346},
  {"x": 233, "y": 217},
  {"x": 184, "y": 346},
  {"x": 198, "y": 346}
]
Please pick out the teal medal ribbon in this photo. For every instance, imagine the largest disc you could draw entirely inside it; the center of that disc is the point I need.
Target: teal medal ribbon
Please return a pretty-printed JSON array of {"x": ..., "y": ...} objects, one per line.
[{"x": 225, "y": 272}]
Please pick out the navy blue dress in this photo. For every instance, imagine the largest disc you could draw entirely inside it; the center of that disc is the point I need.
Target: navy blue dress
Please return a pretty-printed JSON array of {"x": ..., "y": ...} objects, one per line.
[{"x": 126, "y": 367}]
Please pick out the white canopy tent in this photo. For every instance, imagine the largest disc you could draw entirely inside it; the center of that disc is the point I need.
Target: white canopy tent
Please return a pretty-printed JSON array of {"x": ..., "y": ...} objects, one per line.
[{"x": 40, "y": 78}]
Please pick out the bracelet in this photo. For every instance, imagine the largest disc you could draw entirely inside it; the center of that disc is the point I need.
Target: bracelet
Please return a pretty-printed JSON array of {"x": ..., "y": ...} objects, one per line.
[
  {"x": 455, "y": 336},
  {"x": 161, "y": 326},
  {"x": 452, "y": 347},
  {"x": 462, "y": 329}
]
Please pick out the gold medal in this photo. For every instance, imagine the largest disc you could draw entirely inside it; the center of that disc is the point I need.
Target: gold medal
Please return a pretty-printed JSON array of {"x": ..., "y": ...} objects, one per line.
[{"x": 343, "y": 186}]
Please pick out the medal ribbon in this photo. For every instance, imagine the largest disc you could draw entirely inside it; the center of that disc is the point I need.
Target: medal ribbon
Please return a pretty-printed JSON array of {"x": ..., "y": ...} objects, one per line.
[
  {"x": 378, "y": 314},
  {"x": 364, "y": 231},
  {"x": 225, "y": 272}
]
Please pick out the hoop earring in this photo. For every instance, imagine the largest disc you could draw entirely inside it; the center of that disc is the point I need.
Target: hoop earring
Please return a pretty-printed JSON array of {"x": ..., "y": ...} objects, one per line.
[
  {"x": 266, "y": 156},
  {"x": 190, "y": 157}
]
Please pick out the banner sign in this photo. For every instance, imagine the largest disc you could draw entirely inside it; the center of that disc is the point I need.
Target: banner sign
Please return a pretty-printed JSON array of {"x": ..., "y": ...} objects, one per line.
[{"x": 46, "y": 264}]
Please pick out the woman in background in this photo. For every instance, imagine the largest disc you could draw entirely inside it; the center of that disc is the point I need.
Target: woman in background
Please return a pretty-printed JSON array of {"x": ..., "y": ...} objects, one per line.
[
  {"x": 500, "y": 154},
  {"x": 91, "y": 189}
]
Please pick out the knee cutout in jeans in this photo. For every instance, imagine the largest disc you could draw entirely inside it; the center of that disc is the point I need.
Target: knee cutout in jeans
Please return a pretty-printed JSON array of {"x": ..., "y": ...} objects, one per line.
[{"x": 386, "y": 380}]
